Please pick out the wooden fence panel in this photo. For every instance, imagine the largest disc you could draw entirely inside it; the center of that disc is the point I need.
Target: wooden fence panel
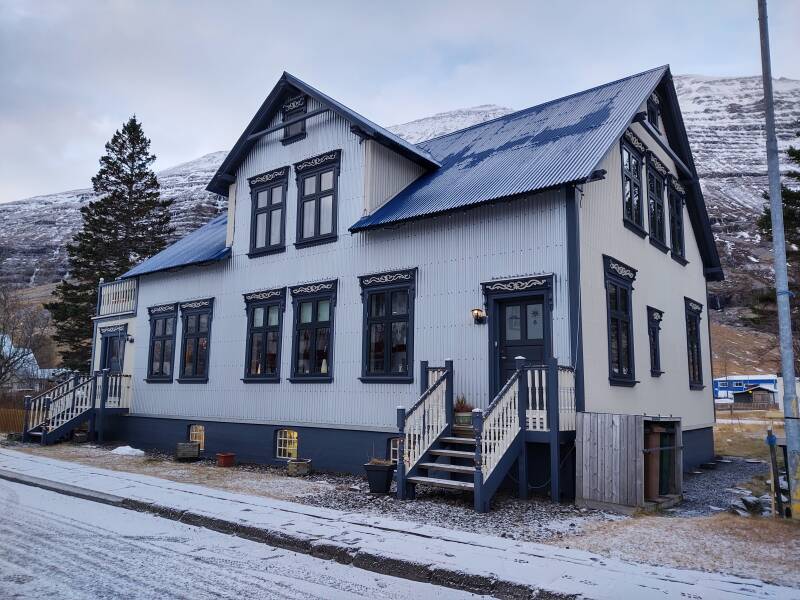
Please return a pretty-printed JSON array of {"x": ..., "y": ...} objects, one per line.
[{"x": 11, "y": 420}]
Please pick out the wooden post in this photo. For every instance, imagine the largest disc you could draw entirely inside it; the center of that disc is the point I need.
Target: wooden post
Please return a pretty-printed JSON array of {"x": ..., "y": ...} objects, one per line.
[
  {"x": 103, "y": 400},
  {"x": 46, "y": 411},
  {"x": 423, "y": 376},
  {"x": 553, "y": 425},
  {"x": 75, "y": 379},
  {"x": 401, "y": 450},
  {"x": 93, "y": 407},
  {"x": 522, "y": 415},
  {"x": 448, "y": 395},
  {"x": 477, "y": 425},
  {"x": 776, "y": 474},
  {"x": 26, "y": 418}
]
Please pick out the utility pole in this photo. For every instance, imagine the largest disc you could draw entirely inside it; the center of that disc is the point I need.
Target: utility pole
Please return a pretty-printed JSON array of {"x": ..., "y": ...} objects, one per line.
[{"x": 790, "y": 409}]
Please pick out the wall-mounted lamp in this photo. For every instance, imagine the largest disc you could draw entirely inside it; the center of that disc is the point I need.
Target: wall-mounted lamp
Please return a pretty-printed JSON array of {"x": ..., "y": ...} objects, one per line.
[
  {"x": 129, "y": 339},
  {"x": 479, "y": 316}
]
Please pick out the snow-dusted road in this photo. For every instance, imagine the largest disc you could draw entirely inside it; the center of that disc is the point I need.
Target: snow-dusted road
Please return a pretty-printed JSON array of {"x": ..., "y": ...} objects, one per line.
[{"x": 55, "y": 546}]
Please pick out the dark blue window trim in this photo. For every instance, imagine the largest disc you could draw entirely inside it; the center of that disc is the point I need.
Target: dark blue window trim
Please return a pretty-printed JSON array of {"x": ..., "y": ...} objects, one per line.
[
  {"x": 387, "y": 284},
  {"x": 264, "y": 300},
  {"x": 653, "y": 111},
  {"x": 676, "y": 227},
  {"x": 654, "y": 318},
  {"x": 314, "y": 168},
  {"x": 656, "y": 188},
  {"x": 268, "y": 182},
  {"x": 632, "y": 151},
  {"x": 694, "y": 353},
  {"x": 313, "y": 293},
  {"x": 619, "y": 279},
  {"x": 196, "y": 308},
  {"x": 160, "y": 317},
  {"x": 294, "y": 107}
]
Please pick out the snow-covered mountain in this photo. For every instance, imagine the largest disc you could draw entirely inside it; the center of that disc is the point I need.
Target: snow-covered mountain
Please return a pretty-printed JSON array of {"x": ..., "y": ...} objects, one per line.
[{"x": 723, "y": 117}]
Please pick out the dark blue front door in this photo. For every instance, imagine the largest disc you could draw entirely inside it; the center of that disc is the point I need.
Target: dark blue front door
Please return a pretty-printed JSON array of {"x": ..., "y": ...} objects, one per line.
[{"x": 522, "y": 333}]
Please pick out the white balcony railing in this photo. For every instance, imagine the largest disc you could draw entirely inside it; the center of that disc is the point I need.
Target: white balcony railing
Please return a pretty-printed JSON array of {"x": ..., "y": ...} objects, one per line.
[{"x": 117, "y": 297}]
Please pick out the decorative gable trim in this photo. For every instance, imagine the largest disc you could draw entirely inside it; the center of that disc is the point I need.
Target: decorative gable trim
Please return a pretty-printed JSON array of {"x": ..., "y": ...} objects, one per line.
[
  {"x": 269, "y": 176},
  {"x": 617, "y": 268},
  {"x": 635, "y": 141},
  {"x": 163, "y": 308},
  {"x": 328, "y": 158},
  {"x": 296, "y": 103}
]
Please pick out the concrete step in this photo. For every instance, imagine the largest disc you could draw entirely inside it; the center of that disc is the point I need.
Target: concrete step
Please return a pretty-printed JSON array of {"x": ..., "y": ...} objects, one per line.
[
  {"x": 458, "y": 440},
  {"x": 449, "y": 468},
  {"x": 453, "y": 453},
  {"x": 443, "y": 483}
]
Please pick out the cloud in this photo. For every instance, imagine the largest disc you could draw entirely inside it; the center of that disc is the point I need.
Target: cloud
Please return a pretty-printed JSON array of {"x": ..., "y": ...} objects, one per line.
[{"x": 195, "y": 72}]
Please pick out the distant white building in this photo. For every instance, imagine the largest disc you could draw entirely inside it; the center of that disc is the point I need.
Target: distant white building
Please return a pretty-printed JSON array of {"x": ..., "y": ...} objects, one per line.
[{"x": 28, "y": 374}]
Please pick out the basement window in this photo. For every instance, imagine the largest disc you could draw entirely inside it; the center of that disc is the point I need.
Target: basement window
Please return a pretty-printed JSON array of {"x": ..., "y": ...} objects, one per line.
[
  {"x": 197, "y": 433},
  {"x": 287, "y": 442}
]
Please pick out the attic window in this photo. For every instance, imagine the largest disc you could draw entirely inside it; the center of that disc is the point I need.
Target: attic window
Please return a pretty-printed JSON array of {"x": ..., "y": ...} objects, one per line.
[
  {"x": 294, "y": 107},
  {"x": 653, "y": 111}
]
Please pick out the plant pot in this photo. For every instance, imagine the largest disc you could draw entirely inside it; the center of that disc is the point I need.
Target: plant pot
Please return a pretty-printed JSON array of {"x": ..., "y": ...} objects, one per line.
[
  {"x": 379, "y": 477},
  {"x": 226, "y": 459},
  {"x": 463, "y": 419},
  {"x": 297, "y": 467}
]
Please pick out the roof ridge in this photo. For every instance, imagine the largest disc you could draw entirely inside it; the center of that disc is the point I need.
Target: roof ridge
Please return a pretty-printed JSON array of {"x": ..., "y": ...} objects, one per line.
[{"x": 543, "y": 104}]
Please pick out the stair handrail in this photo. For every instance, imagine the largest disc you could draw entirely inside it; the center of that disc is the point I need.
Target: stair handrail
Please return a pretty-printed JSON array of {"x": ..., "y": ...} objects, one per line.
[
  {"x": 47, "y": 405},
  {"x": 81, "y": 399},
  {"x": 500, "y": 423}
]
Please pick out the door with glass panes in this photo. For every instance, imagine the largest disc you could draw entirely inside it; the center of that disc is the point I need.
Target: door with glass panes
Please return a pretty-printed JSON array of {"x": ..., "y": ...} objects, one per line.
[{"x": 522, "y": 333}]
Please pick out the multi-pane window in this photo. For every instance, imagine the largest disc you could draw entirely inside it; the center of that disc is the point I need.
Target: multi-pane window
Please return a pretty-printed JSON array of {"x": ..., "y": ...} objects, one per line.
[
  {"x": 676, "y": 221},
  {"x": 388, "y": 326},
  {"x": 268, "y": 215},
  {"x": 654, "y": 318},
  {"x": 655, "y": 198},
  {"x": 286, "y": 444},
  {"x": 619, "y": 289},
  {"x": 653, "y": 109},
  {"x": 313, "y": 332},
  {"x": 196, "y": 321},
  {"x": 197, "y": 433},
  {"x": 394, "y": 449},
  {"x": 162, "y": 342},
  {"x": 294, "y": 108},
  {"x": 317, "y": 182},
  {"x": 632, "y": 186},
  {"x": 694, "y": 310},
  {"x": 264, "y": 320}
]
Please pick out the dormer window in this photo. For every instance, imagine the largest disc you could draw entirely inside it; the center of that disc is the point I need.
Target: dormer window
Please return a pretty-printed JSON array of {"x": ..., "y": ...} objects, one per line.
[
  {"x": 653, "y": 111},
  {"x": 294, "y": 108}
]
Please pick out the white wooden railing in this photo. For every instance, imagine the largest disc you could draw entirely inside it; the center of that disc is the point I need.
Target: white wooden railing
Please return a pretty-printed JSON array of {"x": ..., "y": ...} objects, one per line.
[
  {"x": 425, "y": 422},
  {"x": 39, "y": 406},
  {"x": 500, "y": 425},
  {"x": 537, "y": 399},
  {"x": 119, "y": 391},
  {"x": 116, "y": 297},
  {"x": 75, "y": 402}
]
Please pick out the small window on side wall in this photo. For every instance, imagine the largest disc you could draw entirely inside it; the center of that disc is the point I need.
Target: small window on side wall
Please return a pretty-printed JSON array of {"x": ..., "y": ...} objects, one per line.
[
  {"x": 294, "y": 108},
  {"x": 286, "y": 444},
  {"x": 654, "y": 318},
  {"x": 676, "y": 236},
  {"x": 653, "y": 111},
  {"x": 197, "y": 433},
  {"x": 632, "y": 149}
]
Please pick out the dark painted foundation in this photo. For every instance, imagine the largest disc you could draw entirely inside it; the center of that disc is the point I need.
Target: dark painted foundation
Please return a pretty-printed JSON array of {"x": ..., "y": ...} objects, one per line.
[
  {"x": 334, "y": 450},
  {"x": 698, "y": 447}
]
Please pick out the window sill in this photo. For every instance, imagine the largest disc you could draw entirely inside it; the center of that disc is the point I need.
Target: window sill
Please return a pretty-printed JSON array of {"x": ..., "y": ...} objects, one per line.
[
  {"x": 266, "y": 251},
  {"x": 622, "y": 382},
  {"x": 696, "y": 386},
  {"x": 261, "y": 379},
  {"x": 403, "y": 379},
  {"x": 311, "y": 379},
  {"x": 192, "y": 380},
  {"x": 654, "y": 373},
  {"x": 679, "y": 259},
  {"x": 152, "y": 380},
  {"x": 317, "y": 241},
  {"x": 659, "y": 244},
  {"x": 293, "y": 139},
  {"x": 637, "y": 229}
]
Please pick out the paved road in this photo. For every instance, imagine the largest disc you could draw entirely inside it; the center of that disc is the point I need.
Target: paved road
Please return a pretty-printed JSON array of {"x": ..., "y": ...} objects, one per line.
[{"x": 55, "y": 546}]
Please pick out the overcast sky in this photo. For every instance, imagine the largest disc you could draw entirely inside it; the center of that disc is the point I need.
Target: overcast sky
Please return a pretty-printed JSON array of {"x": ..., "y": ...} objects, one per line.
[{"x": 195, "y": 71}]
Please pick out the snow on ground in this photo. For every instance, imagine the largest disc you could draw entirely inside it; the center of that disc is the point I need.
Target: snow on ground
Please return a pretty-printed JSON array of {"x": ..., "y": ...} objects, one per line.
[
  {"x": 55, "y": 546},
  {"x": 127, "y": 451}
]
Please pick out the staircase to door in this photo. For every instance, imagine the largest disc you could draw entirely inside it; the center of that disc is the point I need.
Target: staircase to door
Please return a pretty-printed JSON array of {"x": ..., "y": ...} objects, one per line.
[
  {"x": 535, "y": 398},
  {"x": 79, "y": 400}
]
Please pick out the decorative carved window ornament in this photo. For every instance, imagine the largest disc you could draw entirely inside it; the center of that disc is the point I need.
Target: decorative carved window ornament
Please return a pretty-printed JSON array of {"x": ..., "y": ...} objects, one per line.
[
  {"x": 377, "y": 279},
  {"x": 676, "y": 185},
  {"x": 634, "y": 141},
  {"x": 660, "y": 167},
  {"x": 269, "y": 176},
  {"x": 619, "y": 269},
  {"x": 163, "y": 308},
  {"x": 517, "y": 284},
  {"x": 321, "y": 160},
  {"x": 293, "y": 104},
  {"x": 313, "y": 288},
  {"x": 113, "y": 329},
  {"x": 196, "y": 304},
  {"x": 264, "y": 295}
]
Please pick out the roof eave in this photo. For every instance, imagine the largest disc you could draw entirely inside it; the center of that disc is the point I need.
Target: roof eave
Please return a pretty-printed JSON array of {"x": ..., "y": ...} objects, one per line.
[{"x": 226, "y": 253}]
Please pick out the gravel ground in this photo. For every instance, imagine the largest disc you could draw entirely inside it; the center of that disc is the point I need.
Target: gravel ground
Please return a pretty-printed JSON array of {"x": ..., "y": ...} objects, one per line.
[{"x": 708, "y": 492}]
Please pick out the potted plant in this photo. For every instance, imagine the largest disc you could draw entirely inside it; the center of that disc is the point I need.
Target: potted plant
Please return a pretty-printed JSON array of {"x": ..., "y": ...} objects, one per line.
[
  {"x": 298, "y": 467},
  {"x": 380, "y": 472},
  {"x": 463, "y": 412}
]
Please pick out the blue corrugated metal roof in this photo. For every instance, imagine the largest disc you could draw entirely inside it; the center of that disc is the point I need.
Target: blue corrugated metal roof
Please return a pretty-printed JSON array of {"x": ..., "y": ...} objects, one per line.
[
  {"x": 203, "y": 245},
  {"x": 558, "y": 142}
]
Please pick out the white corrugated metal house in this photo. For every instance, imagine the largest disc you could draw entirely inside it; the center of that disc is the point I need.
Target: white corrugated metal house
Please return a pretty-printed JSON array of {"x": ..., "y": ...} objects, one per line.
[{"x": 355, "y": 273}]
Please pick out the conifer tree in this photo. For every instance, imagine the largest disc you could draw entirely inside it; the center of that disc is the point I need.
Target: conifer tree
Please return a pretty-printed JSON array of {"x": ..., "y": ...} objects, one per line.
[
  {"x": 126, "y": 224},
  {"x": 765, "y": 308}
]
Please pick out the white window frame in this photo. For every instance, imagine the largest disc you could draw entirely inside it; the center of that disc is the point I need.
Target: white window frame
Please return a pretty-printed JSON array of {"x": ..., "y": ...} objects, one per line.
[
  {"x": 197, "y": 433},
  {"x": 287, "y": 440}
]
